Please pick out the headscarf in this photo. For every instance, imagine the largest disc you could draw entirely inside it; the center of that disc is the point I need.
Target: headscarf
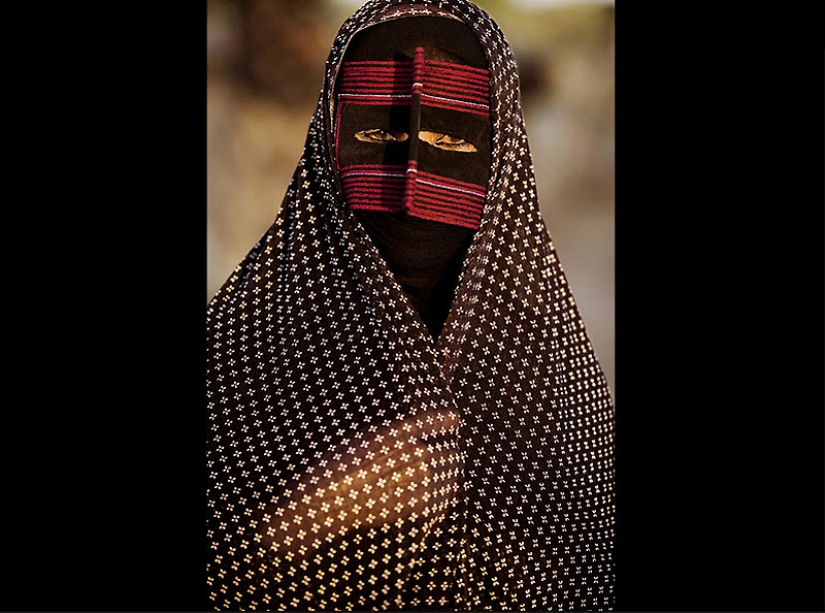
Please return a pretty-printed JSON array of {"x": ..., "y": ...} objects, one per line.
[{"x": 355, "y": 460}]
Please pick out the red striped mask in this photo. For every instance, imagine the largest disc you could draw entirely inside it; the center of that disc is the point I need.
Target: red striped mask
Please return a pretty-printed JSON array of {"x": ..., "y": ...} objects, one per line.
[{"x": 413, "y": 135}]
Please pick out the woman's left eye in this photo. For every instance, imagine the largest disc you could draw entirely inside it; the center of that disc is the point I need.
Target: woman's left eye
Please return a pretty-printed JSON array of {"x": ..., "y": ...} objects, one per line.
[{"x": 447, "y": 142}]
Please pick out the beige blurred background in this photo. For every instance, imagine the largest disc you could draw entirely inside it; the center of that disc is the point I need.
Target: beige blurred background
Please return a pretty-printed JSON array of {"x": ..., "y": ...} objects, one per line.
[{"x": 265, "y": 68}]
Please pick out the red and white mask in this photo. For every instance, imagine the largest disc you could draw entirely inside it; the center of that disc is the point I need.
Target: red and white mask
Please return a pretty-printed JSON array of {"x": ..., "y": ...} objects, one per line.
[{"x": 412, "y": 121}]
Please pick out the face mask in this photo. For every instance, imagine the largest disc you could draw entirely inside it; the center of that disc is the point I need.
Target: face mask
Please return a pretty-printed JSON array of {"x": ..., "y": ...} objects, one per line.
[{"x": 412, "y": 127}]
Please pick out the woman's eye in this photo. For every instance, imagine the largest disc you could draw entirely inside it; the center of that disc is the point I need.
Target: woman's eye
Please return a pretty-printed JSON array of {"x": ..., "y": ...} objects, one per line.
[
  {"x": 381, "y": 136},
  {"x": 446, "y": 141}
]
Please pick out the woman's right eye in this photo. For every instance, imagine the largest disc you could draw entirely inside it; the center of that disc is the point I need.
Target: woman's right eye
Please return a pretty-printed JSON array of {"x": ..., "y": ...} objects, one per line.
[{"x": 381, "y": 136}]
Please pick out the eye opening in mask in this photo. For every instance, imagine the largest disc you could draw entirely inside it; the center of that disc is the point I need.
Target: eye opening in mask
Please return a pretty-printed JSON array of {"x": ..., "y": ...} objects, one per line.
[
  {"x": 445, "y": 141},
  {"x": 377, "y": 135},
  {"x": 440, "y": 140}
]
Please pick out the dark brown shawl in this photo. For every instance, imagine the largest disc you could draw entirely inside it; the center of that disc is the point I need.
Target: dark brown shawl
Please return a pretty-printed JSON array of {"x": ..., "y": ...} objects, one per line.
[{"x": 355, "y": 463}]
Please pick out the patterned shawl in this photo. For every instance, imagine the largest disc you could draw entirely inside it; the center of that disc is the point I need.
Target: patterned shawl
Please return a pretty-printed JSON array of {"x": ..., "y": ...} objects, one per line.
[{"x": 354, "y": 463}]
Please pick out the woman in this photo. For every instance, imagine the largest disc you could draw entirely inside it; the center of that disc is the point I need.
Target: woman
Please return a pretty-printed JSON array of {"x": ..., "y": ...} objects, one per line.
[{"x": 405, "y": 411}]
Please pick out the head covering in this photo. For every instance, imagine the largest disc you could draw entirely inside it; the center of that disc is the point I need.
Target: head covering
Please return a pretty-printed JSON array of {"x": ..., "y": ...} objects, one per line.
[{"x": 356, "y": 460}]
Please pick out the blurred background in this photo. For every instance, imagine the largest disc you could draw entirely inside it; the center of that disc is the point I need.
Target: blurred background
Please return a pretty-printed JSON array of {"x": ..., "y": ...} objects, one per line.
[{"x": 265, "y": 69}]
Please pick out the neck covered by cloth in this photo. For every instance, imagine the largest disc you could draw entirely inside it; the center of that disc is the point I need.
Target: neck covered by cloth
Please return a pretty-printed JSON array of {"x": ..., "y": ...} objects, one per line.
[{"x": 412, "y": 144}]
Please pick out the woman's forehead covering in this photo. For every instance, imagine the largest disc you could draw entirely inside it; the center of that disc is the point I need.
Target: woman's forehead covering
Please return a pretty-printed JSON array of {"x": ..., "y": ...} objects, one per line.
[{"x": 444, "y": 39}]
